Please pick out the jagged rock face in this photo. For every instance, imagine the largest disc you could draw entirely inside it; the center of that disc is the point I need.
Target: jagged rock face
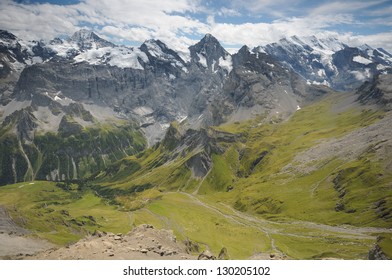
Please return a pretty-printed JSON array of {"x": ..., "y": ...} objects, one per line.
[
  {"x": 209, "y": 53},
  {"x": 11, "y": 46},
  {"x": 10, "y": 57},
  {"x": 376, "y": 253},
  {"x": 202, "y": 144},
  {"x": 25, "y": 123},
  {"x": 78, "y": 82},
  {"x": 69, "y": 127},
  {"x": 199, "y": 164},
  {"x": 378, "y": 91},
  {"x": 86, "y": 40},
  {"x": 259, "y": 84},
  {"x": 163, "y": 60},
  {"x": 285, "y": 50}
]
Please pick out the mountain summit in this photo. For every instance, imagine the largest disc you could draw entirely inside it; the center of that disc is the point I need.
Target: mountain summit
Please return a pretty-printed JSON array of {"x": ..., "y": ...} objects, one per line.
[
  {"x": 86, "y": 39},
  {"x": 209, "y": 53}
]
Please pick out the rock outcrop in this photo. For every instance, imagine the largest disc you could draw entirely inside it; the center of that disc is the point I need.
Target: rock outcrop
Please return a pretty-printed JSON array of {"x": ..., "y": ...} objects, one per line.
[{"x": 142, "y": 243}]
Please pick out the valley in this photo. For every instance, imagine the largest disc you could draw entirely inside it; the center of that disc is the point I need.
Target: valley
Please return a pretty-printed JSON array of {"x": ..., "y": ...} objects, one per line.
[{"x": 247, "y": 216}]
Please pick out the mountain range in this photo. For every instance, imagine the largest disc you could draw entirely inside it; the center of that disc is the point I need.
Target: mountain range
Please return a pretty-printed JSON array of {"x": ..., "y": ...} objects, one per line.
[{"x": 241, "y": 138}]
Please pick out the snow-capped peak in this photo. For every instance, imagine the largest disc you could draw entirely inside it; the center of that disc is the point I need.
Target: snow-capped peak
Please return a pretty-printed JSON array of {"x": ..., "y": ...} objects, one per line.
[
  {"x": 208, "y": 53},
  {"x": 82, "y": 35},
  {"x": 5, "y": 36},
  {"x": 326, "y": 44},
  {"x": 86, "y": 39},
  {"x": 156, "y": 50}
]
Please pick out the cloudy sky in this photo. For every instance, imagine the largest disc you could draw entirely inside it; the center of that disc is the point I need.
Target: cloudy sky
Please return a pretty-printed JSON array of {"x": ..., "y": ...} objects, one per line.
[{"x": 181, "y": 23}]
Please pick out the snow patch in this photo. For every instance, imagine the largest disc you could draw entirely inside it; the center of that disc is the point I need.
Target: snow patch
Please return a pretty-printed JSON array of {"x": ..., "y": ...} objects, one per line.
[
  {"x": 321, "y": 72},
  {"x": 202, "y": 60},
  {"x": 121, "y": 57},
  {"x": 360, "y": 76},
  {"x": 155, "y": 50},
  {"x": 64, "y": 48},
  {"x": 260, "y": 49},
  {"x": 185, "y": 55},
  {"x": 226, "y": 63},
  {"x": 143, "y": 111},
  {"x": 34, "y": 60},
  {"x": 362, "y": 60},
  {"x": 181, "y": 118},
  {"x": 324, "y": 83},
  {"x": 165, "y": 126},
  {"x": 381, "y": 67}
]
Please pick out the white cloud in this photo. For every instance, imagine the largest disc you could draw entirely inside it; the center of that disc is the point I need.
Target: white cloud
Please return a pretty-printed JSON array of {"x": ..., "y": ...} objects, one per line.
[
  {"x": 119, "y": 19},
  {"x": 136, "y": 33},
  {"x": 385, "y": 11},
  {"x": 343, "y": 7},
  {"x": 175, "y": 21},
  {"x": 255, "y": 34},
  {"x": 228, "y": 12},
  {"x": 37, "y": 20},
  {"x": 257, "y": 6},
  {"x": 376, "y": 40}
]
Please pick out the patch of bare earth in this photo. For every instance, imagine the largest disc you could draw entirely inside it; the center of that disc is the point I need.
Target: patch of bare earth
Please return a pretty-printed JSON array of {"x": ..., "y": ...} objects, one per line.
[
  {"x": 14, "y": 240},
  {"x": 142, "y": 243}
]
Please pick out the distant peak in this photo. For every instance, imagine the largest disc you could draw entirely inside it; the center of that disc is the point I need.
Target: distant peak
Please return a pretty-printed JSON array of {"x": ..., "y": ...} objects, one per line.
[
  {"x": 83, "y": 34},
  {"x": 208, "y": 41},
  {"x": 7, "y": 35},
  {"x": 209, "y": 38},
  {"x": 243, "y": 49},
  {"x": 155, "y": 42},
  {"x": 85, "y": 38}
]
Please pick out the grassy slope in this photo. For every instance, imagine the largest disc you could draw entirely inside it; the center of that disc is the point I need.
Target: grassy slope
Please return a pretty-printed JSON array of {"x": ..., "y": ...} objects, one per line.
[
  {"x": 91, "y": 150},
  {"x": 263, "y": 190},
  {"x": 268, "y": 190},
  {"x": 58, "y": 215}
]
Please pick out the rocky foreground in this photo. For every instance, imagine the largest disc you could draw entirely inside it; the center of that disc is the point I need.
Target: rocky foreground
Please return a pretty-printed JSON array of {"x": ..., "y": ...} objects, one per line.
[{"x": 142, "y": 243}]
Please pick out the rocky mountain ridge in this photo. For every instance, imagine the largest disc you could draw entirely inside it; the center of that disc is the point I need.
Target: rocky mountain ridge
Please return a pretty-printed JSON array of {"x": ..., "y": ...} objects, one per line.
[
  {"x": 330, "y": 62},
  {"x": 85, "y": 86}
]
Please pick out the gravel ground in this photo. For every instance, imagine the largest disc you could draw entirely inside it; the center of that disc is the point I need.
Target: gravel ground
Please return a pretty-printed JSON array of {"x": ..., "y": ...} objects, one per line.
[{"x": 14, "y": 240}]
